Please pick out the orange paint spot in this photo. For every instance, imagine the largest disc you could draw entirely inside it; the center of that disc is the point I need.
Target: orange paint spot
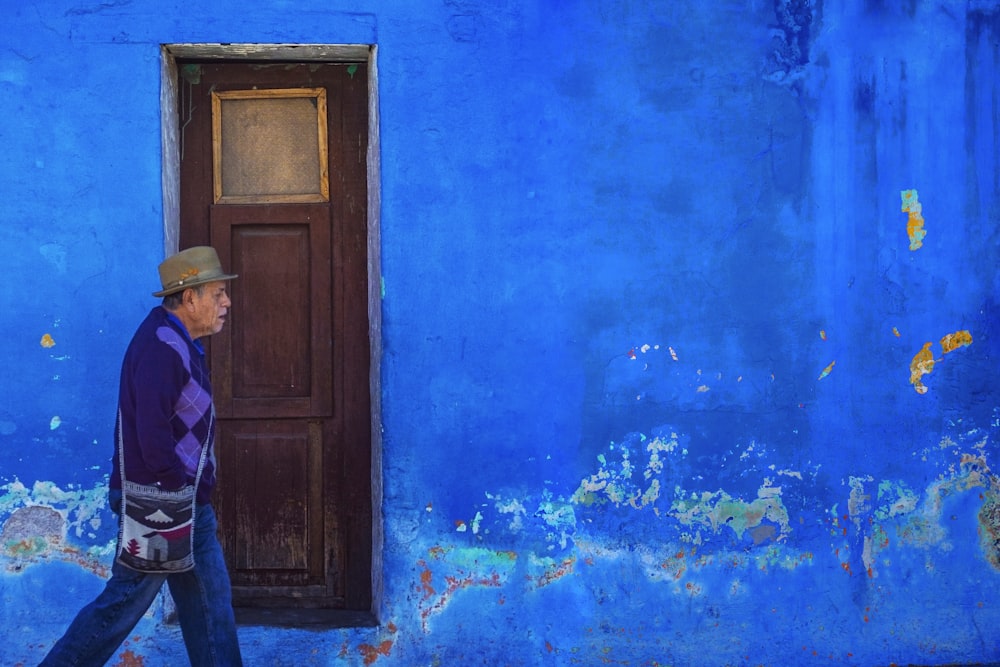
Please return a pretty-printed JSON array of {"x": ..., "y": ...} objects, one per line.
[
  {"x": 549, "y": 647},
  {"x": 953, "y": 341},
  {"x": 371, "y": 653},
  {"x": 425, "y": 582},
  {"x": 895, "y": 332},
  {"x": 130, "y": 659},
  {"x": 48, "y": 341},
  {"x": 921, "y": 364},
  {"x": 826, "y": 371},
  {"x": 915, "y": 220},
  {"x": 822, "y": 334},
  {"x": 847, "y": 567}
]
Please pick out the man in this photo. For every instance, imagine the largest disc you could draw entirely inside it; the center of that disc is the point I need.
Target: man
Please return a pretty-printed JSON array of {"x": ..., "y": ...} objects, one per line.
[{"x": 166, "y": 420}]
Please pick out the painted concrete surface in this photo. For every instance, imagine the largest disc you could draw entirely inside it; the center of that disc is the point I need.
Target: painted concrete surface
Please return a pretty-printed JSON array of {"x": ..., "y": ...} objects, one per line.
[{"x": 689, "y": 324}]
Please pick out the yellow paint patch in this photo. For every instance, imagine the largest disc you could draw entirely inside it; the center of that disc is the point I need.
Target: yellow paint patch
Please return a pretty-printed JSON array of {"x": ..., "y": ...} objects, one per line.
[
  {"x": 953, "y": 341},
  {"x": 48, "y": 341},
  {"x": 921, "y": 364},
  {"x": 915, "y": 222}
]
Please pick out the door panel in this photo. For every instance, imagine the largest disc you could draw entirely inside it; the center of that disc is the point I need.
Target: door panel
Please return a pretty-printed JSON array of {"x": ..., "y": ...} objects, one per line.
[
  {"x": 290, "y": 369},
  {"x": 279, "y": 537},
  {"x": 278, "y": 360}
]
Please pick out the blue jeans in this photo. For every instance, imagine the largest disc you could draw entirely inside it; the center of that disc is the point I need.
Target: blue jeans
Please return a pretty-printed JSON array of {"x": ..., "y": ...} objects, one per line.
[{"x": 204, "y": 607}]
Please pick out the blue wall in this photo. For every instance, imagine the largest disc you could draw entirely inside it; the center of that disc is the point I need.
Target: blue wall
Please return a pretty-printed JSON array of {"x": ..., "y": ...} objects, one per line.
[{"x": 652, "y": 324}]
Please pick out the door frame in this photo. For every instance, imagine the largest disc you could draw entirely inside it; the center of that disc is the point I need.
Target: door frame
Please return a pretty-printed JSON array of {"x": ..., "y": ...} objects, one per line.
[{"x": 170, "y": 149}]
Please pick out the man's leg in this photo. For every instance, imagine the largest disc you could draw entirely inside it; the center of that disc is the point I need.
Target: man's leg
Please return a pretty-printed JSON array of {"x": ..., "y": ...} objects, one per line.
[
  {"x": 100, "y": 627},
  {"x": 204, "y": 599}
]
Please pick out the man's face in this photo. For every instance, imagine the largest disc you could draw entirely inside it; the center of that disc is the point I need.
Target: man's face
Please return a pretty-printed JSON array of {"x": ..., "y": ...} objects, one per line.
[{"x": 208, "y": 311}]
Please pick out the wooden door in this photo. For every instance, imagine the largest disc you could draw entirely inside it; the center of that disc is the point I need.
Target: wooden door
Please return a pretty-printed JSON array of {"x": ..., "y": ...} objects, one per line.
[{"x": 273, "y": 175}]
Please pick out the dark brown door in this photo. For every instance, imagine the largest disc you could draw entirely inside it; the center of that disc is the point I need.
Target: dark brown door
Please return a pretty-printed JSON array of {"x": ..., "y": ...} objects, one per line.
[{"x": 273, "y": 174}]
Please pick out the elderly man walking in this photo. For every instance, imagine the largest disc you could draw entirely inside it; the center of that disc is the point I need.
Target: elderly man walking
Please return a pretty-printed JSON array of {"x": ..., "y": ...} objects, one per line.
[{"x": 162, "y": 479}]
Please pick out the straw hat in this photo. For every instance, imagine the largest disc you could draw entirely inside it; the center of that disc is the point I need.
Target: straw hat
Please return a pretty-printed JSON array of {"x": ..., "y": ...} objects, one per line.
[{"x": 189, "y": 268}]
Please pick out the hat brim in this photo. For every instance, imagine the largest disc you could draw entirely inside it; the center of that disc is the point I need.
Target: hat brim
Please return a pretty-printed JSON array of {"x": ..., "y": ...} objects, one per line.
[{"x": 194, "y": 282}]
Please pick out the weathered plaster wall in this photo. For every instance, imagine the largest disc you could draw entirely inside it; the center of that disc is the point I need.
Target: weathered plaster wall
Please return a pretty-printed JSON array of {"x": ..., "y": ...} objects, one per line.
[{"x": 689, "y": 324}]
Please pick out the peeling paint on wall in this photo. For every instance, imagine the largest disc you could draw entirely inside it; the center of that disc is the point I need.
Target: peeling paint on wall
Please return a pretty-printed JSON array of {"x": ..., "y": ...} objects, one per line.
[
  {"x": 921, "y": 364},
  {"x": 446, "y": 571},
  {"x": 953, "y": 341},
  {"x": 915, "y": 220},
  {"x": 923, "y": 361},
  {"x": 885, "y": 520},
  {"x": 80, "y": 517}
]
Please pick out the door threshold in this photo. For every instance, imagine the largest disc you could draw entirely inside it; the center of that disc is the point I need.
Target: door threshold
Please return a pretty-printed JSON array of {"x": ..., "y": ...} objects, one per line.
[{"x": 318, "y": 619}]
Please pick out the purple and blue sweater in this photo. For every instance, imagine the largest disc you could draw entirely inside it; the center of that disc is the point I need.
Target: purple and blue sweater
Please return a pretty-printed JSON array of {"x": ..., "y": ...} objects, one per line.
[{"x": 165, "y": 400}]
